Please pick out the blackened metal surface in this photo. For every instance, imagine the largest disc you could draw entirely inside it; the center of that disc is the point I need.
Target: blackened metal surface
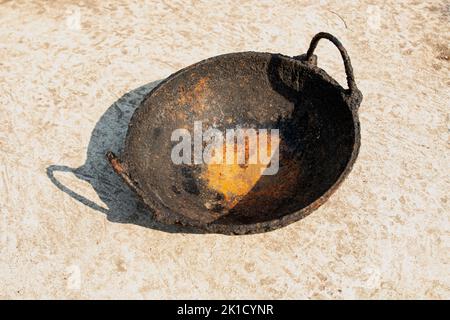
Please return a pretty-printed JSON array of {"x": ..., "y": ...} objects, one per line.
[{"x": 319, "y": 138}]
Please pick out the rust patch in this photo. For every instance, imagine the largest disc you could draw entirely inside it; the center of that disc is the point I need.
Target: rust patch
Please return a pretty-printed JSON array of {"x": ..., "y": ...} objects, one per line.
[
  {"x": 115, "y": 164},
  {"x": 195, "y": 98},
  {"x": 234, "y": 180}
]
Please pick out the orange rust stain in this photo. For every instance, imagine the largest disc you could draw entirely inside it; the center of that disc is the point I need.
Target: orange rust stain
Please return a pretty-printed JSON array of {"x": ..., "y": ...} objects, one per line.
[
  {"x": 117, "y": 166},
  {"x": 200, "y": 86},
  {"x": 235, "y": 180},
  {"x": 196, "y": 97}
]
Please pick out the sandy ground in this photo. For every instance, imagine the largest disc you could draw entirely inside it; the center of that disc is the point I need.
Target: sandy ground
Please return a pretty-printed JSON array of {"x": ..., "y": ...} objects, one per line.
[{"x": 71, "y": 74}]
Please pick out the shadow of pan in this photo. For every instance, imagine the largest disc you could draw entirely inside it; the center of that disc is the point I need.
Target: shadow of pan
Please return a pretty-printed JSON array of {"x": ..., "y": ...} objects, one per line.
[{"x": 109, "y": 134}]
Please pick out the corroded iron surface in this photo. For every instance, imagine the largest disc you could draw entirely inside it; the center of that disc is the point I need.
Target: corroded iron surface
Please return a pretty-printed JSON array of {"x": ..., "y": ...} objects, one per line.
[{"x": 318, "y": 143}]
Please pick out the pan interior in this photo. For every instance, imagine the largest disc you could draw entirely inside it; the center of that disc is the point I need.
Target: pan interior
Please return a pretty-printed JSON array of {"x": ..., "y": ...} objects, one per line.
[{"x": 251, "y": 91}]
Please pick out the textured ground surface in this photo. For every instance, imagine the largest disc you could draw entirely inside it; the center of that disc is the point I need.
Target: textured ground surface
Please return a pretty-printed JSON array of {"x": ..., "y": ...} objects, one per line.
[{"x": 64, "y": 70}]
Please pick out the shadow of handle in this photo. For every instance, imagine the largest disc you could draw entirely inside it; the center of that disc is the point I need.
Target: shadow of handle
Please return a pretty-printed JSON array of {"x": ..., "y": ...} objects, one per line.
[{"x": 50, "y": 173}]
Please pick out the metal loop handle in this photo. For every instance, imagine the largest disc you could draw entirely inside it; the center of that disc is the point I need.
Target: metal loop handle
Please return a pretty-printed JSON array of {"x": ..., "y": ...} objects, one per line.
[{"x": 347, "y": 63}]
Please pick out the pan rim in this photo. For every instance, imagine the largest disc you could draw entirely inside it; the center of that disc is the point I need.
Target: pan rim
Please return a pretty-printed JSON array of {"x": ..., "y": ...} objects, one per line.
[{"x": 165, "y": 215}]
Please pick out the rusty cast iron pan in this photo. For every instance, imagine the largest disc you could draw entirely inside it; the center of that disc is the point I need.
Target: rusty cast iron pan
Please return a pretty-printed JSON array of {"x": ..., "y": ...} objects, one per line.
[{"x": 319, "y": 140}]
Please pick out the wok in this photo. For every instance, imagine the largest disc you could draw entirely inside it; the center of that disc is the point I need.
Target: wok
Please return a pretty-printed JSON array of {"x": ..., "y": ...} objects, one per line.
[{"x": 319, "y": 139}]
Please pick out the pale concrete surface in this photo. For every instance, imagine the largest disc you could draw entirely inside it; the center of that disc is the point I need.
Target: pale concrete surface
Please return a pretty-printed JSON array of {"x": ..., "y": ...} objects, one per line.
[{"x": 383, "y": 234}]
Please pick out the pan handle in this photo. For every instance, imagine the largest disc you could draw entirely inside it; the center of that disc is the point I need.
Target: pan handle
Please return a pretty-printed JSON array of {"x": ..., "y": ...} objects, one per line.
[
  {"x": 120, "y": 170},
  {"x": 353, "y": 89}
]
